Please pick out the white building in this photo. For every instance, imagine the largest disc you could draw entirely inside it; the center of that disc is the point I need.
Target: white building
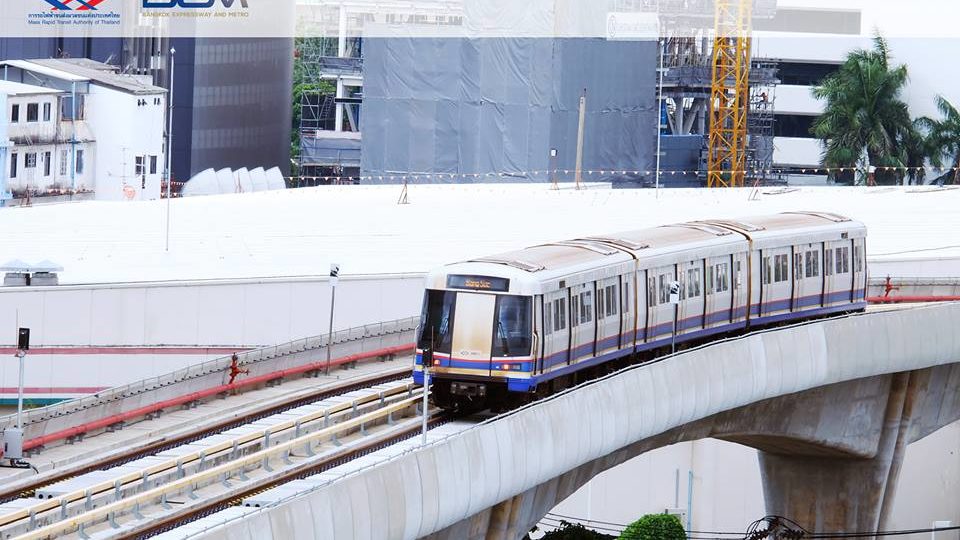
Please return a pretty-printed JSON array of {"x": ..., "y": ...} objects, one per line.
[
  {"x": 109, "y": 125},
  {"x": 810, "y": 48},
  {"x": 41, "y": 156}
]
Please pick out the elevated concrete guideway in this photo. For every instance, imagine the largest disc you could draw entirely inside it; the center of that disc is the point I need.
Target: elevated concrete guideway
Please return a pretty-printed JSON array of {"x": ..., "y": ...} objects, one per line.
[{"x": 830, "y": 404}]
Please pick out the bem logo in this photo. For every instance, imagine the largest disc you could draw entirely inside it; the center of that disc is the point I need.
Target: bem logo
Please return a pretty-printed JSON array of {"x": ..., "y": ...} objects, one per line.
[
  {"x": 189, "y": 3},
  {"x": 78, "y": 5}
]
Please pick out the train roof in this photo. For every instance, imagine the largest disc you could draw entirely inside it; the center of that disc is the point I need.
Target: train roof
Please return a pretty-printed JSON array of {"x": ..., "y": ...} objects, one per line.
[{"x": 539, "y": 269}]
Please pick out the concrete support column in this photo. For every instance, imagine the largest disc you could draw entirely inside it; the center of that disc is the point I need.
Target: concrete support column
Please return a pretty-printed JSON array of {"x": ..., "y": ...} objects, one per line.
[{"x": 843, "y": 494}]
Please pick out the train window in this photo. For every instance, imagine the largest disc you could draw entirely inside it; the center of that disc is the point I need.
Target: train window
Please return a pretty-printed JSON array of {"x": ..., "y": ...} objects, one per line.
[
  {"x": 857, "y": 259},
  {"x": 651, "y": 294},
  {"x": 548, "y": 319},
  {"x": 782, "y": 272},
  {"x": 436, "y": 320},
  {"x": 562, "y": 311},
  {"x": 626, "y": 297},
  {"x": 693, "y": 282},
  {"x": 736, "y": 281},
  {"x": 843, "y": 260},
  {"x": 512, "y": 335},
  {"x": 586, "y": 307},
  {"x": 722, "y": 280},
  {"x": 828, "y": 262},
  {"x": 601, "y": 298},
  {"x": 575, "y": 311},
  {"x": 611, "y": 300},
  {"x": 710, "y": 280},
  {"x": 797, "y": 266},
  {"x": 812, "y": 264},
  {"x": 767, "y": 271}
]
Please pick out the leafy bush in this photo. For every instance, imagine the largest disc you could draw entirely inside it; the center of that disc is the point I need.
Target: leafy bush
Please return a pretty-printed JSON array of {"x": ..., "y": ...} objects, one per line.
[{"x": 655, "y": 527}]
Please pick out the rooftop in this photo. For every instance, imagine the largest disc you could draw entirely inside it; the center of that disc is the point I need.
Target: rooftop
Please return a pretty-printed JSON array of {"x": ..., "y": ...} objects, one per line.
[
  {"x": 300, "y": 232},
  {"x": 84, "y": 70},
  {"x": 11, "y": 88}
]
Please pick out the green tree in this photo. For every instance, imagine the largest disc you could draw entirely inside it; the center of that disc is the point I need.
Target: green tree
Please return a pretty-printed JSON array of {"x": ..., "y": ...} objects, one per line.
[
  {"x": 865, "y": 123},
  {"x": 655, "y": 527},
  {"x": 943, "y": 139}
]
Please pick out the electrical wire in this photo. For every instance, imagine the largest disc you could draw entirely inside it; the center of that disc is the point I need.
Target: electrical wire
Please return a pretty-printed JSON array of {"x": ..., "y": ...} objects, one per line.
[
  {"x": 623, "y": 526},
  {"x": 791, "y": 530}
]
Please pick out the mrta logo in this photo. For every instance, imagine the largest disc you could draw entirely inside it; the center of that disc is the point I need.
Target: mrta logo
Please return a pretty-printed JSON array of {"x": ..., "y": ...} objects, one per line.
[
  {"x": 74, "y": 5},
  {"x": 152, "y": 4}
]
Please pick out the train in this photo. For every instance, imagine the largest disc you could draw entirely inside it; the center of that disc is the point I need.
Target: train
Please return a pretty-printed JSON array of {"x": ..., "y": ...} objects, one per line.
[{"x": 501, "y": 330}]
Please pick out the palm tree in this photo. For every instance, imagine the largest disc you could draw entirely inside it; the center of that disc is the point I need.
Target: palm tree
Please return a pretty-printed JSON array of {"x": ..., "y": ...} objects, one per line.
[
  {"x": 865, "y": 123},
  {"x": 943, "y": 139}
]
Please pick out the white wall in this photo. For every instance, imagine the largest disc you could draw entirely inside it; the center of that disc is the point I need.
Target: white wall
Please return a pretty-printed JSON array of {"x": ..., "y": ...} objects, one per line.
[
  {"x": 797, "y": 151},
  {"x": 215, "y": 313},
  {"x": 125, "y": 130},
  {"x": 728, "y": 494}
]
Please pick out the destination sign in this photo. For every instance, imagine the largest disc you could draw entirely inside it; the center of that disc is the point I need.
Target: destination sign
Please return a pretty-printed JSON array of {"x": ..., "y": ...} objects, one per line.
[{"x": 478, "y": 283}]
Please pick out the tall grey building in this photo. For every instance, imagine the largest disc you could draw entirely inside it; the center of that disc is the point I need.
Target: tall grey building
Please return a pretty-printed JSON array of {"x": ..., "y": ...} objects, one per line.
[{"x": 232, "y": 97}]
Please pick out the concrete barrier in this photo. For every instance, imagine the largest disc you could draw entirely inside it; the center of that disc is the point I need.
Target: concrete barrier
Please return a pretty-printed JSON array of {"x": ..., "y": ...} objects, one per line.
[
  {"x": 70, "y": 418},
  {"x": 420, "y": 492}
]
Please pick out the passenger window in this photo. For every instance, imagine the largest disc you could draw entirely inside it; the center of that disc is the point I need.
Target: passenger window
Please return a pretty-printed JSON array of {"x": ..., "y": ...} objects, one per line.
[
  {"x": 626, "y": 297},
  {"x": 736, "y": 280},
  {"x": 563, "y": 313},
  {"x": 651, "y": 292},
  {"x": 828, "y": 262},
  {"x": 548, "y": 319},
  {"x": 586, "y": 307},
  {"x": 813, "y": 264},
  {"x": 767, "y": 271},
  {"x": 797, "y": 266},
  {"x": 664, "y": 289},
  {"x": 710, "y": 280},
  {"x": 575, "y": 311},
  {"x": 783, "y": 267},
  {"x": 601, "y": 298},
  {"x": 857, "y": 259},
  {"x": 693, "y": 283},
  {"x": 611, "y": 300}
]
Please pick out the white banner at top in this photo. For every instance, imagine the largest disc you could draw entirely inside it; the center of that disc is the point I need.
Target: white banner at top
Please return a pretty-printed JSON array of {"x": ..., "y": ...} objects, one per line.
[{"x": 608, "y": 19}]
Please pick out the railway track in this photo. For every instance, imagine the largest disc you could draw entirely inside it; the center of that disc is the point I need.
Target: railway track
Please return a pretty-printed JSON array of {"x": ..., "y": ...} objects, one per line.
[
  {"x": 28, "y": 489},
  {"x": 160, "y": 487}
]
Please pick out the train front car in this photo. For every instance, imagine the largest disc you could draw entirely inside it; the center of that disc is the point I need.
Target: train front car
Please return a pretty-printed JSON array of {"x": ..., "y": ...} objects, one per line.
[{"x": 475, "y": 335}]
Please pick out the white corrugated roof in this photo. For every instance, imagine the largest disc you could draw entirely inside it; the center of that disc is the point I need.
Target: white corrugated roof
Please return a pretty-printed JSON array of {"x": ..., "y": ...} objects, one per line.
[
  {"x": 44, "y": 70},
  {"x": 11, "y": 88},
  {"x": 301, "y": 231}
]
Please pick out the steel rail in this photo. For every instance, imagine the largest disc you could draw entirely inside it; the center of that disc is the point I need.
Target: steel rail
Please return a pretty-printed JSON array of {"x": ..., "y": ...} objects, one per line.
[{"x": 224, "y": 469}]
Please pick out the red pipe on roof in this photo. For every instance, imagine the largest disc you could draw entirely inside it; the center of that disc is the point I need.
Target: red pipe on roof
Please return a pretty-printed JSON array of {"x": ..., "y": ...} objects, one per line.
[
  {"x": 142, "y": 411},
  {"x": 911, "y": 299}
]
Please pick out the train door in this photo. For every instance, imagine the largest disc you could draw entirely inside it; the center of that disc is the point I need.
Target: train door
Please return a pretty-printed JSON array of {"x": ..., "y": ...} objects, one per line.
[
  {"x": 608, "y": 315},
  {"x": 660, "y": 318},
  {"x": 859, "y": 270},
  {"x": 692, "y": 295},
  {"x": 718, "y": 292},
  {"x": 472, "y": 342},
  {"x": 582, "y": 327},
  {"x": 829, "y": 287},
  {"x": 632, "y": 314},
  {"x": 808, "y": 288},
  {"x": 739, "y": 283},
  {"x": 556, "y": 330}
]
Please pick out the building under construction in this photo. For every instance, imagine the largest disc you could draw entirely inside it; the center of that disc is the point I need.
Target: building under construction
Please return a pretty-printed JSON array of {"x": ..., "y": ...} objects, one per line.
[{"x": 717, "y": 106}]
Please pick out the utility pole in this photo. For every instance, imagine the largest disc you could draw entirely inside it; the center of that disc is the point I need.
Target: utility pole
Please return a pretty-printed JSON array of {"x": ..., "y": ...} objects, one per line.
[
  {"x": 13, "y": 437},
  {"x": 663, "y": 46},
  {"x": 173, "y": 53},
  {"x": 334, "y": 277},
  {"x": 580, "y": 126},
  {"x": 675, "y": 300}
]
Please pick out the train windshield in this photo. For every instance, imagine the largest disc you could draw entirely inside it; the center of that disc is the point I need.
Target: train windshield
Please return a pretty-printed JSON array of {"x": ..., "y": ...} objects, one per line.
[
  {"x": 436, "y": 320},
  {"x": 511, "y": 332}
]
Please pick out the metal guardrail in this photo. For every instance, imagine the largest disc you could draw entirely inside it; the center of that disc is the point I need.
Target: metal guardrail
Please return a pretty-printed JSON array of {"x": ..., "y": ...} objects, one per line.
[
  {"x": 247, "y": 359},
  {"x": 224, "y": 470}
]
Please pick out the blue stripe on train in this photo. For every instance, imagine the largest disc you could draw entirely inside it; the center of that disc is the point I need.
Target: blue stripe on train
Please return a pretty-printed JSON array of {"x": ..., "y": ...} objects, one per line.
[{"x": 586, "y": 350}]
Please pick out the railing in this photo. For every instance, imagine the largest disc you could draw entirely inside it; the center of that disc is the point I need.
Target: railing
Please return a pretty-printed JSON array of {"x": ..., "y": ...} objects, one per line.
[{"x": 254, "y": 360}]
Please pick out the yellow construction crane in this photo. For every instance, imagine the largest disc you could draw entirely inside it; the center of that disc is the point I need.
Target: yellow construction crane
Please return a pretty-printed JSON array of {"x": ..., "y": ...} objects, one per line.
[{"x": 730, "y": 93}]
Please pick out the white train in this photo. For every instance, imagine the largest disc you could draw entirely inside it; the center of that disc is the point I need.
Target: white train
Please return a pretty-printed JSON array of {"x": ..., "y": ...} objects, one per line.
[{"x": 499, "y": 329}]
